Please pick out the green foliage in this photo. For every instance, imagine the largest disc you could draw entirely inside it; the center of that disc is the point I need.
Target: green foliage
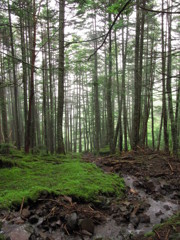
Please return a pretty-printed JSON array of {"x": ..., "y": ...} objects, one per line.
[
  {"x": 60, "y": 175},
  {"x": 5, "y": 148},
  {"x": 118, "y": 5}
]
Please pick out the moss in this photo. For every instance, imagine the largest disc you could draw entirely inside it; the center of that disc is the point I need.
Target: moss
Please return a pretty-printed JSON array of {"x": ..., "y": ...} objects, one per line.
[
  {"x": 150, "y": 234},
  {"x": 60, "y": 175}
]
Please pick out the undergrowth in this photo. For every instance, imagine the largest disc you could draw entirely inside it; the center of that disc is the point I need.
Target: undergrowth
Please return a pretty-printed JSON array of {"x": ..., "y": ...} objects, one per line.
[{"x": 29, "y": 175}]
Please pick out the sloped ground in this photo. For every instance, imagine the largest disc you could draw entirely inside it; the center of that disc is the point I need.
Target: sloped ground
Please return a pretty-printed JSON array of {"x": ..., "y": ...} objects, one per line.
[
  {"x": 153, "y": 180},
  {"x": 151, "y": 197}
]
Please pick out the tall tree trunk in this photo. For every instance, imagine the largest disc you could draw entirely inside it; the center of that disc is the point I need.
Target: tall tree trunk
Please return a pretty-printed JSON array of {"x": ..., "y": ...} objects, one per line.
[
  {"x": 96, "y": 98},
  {"x": 3, "y": 106},
  {"x": 137, "y": 83},
  {"x": 124, "y": 57},
  {"x": 30, "y": 122},
  {"x": 60, "y": 144},
  {"x": 17, "y": 127},
  {"x": 109, "y": 97},
  {"x": 44, "y": 104},
  {"x": 169, "y": 90},
  {"x": 23, "y": 52},
  {"x": 51, "y": 125},
  {"x": 119, "y": 121},
  {"x": 164, "y": 109}
]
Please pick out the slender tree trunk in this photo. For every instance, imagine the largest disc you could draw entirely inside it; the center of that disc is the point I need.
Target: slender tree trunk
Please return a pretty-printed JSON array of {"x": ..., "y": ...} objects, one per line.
[
  {"x": 124, "y": 57},
  {"x": 3, "y": 106},
  {"x": 60, "y": 144},
  {"x": 96, "y": 98},
  {"x": 25, "y": 77},
  {"x": 109, "y": 97},
  {"x": 51, "y": 124},
  {"x": 137, "y": 83},
  {"x": 164, "y": 110},
  {"x": 17, "y": 127},
  {"x": 169, "y": 90},
  {"x": 30, "y": 122}
]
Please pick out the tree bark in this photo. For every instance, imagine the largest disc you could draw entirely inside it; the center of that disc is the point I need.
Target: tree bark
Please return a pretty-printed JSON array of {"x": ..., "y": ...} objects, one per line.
[{"x": 60, "y": 143}]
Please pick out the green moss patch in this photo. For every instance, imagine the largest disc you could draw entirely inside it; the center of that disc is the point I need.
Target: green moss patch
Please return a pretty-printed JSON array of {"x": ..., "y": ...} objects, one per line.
[{"x": 60, "y": 175}]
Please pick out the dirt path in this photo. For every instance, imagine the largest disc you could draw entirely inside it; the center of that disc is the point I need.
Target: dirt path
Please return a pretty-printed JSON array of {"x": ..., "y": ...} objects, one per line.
[{"x": 152, "y": 195}]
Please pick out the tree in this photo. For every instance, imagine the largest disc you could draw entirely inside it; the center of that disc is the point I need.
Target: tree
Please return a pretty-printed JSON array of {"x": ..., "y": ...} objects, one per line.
[
  {"x": 60, "y": 144},
  {"x": 17, "y": 127}
]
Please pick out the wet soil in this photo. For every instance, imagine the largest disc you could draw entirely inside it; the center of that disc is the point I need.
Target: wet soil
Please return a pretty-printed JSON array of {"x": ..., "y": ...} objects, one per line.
[{"x": 152, "y": 195}]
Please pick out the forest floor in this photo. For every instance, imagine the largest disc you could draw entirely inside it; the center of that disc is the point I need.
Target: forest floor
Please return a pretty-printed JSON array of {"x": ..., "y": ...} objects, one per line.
[{"x": 150, "y": 205}]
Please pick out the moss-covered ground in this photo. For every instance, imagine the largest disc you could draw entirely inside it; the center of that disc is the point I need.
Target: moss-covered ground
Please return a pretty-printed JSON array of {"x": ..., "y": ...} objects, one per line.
[{"x": 26, "y": 176}]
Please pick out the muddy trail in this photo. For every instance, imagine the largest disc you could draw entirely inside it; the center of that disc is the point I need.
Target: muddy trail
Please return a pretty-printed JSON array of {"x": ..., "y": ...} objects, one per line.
[{"x": 152, "y": 195}]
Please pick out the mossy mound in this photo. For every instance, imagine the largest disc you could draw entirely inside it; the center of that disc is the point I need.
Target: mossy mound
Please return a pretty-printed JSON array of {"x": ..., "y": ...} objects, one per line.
[{"x": 30, "y": 175}]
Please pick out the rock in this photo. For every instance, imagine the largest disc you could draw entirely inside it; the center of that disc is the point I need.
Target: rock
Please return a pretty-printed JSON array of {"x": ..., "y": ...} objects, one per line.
[
  {"x": 87, "y": 224},
  {"x": 19, "y": 234},
  {"x": 84, "y": 232},
  {"x": 143, "y": 218},
  {"x": 144, "y": 206},
  {"x": 71, "y": 220},
  {"x": 134, "y": 220},
  {"x": 137, "y": 184},
  {"x": 18, "y": 220},
  {"x": 123, "y": 208},
  {"x": 33, "y": 237},
  {"x": 166, "y": 207},
  {"x": 158, "y": 213},
  {"x": 162, "y": 191},
  {"x": 120, "y": 220},
  {"x": 58, "y": 223},
  {"x": 25, "y": 213},
  {"x": 33, "y": 219},
  {"x": 149, "y": 187},
  {"x": 52, "y": 219}
]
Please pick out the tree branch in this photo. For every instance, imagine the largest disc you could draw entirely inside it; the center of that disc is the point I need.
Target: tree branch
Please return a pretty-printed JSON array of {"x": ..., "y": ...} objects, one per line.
[
  {"x": 157, "y": 11},
  {"x": 117, "y": 16}
]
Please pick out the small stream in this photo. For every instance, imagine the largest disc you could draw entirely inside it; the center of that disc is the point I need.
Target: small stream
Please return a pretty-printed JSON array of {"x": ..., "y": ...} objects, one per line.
[
  {"x": 156, "y": 212},
  {"x": 159, "y": 209}
]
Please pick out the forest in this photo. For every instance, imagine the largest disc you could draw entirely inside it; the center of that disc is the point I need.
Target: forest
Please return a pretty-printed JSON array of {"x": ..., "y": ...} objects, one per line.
[
  {"x": 89, "y": 119},
  {"x": 82, "y": 75}
]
